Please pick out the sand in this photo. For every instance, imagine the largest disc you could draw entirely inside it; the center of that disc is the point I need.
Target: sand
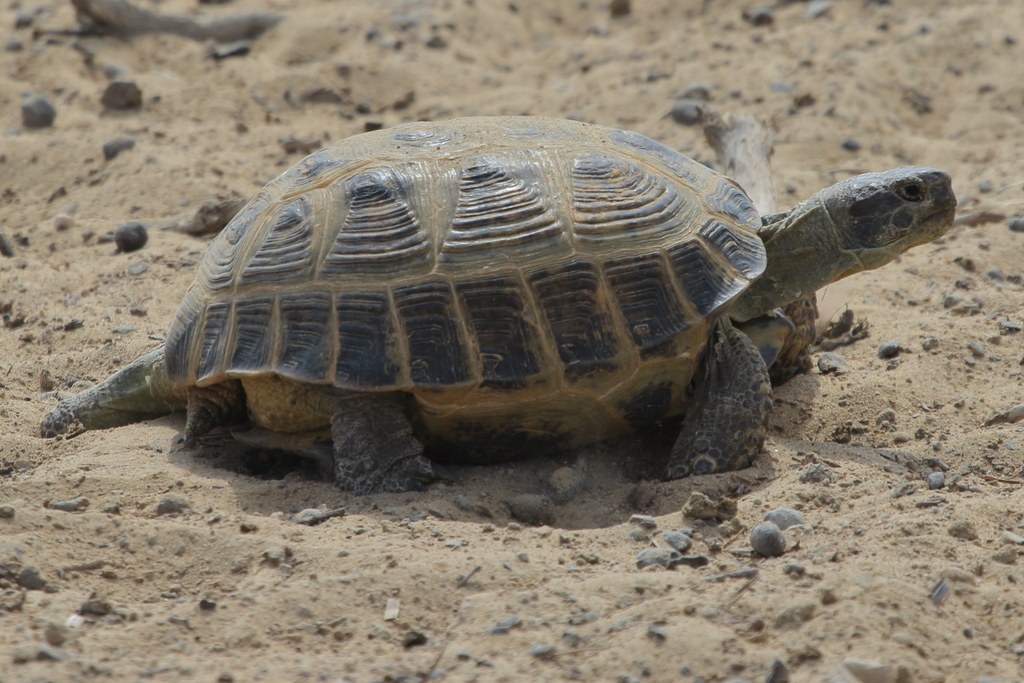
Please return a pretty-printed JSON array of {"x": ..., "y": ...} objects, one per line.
[{"x": 445, "y": 583}]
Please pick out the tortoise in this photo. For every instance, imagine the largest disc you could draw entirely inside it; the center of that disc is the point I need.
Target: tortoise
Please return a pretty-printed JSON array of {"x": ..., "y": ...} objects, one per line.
[{"x": 498, "y": 287}]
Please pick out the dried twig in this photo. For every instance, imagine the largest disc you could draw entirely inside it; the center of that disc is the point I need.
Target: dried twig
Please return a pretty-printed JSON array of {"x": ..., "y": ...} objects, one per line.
[{"x": 121, "y": 18}]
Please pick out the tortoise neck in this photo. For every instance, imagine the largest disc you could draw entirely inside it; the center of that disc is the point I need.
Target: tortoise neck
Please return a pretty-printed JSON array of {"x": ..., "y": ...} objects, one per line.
[{"x": 804, "y": 254}]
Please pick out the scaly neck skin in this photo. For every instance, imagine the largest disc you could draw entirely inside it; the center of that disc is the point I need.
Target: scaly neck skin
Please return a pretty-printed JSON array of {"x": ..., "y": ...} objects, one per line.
[{"x": 804, "y": 255}]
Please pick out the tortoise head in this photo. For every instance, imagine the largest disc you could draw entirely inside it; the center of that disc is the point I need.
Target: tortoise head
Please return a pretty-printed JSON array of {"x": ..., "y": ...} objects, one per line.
[
  {"x": 878, "y": 216},
  {"x": 858, "y": 224}
]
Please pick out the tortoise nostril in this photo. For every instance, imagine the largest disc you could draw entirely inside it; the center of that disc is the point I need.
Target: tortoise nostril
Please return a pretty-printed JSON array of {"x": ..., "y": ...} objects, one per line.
[{"x": 912, "y": 192}]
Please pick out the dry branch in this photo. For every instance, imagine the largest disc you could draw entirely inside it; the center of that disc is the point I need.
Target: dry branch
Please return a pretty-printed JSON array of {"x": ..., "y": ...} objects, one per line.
[
  {"x": 121, "y": 18},
  {"x": 744, "y": 149}
]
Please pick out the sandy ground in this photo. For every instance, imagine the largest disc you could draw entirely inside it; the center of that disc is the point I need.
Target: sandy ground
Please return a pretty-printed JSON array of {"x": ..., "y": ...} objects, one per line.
[{"x": 415, "y": 586}]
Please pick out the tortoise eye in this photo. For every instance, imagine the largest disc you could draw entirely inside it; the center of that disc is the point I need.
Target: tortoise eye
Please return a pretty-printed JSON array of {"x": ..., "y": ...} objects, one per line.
[{"x": 911, "y": 192}]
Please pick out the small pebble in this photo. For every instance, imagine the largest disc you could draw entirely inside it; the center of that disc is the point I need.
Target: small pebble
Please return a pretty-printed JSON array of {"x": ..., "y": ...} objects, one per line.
[
  {"x": 464, "y": 503},
  {"x": 6, "y": 511},
  {"x": 543, "y": 651},
  {"x": 13, "y": 44},
  {"x": 697, "y": 91},
  {"x": 688, "y": 112},
  {"x": 55, "y": 634},
  {"x": 677, "y": 540},
  {"x": 995, "y": 274},
  {"x": 889, "y": 349},
  {"x": 767, "y": 539},
  {"x": 815, "y": 473},
  {"x": 111, "y": 148},
  {"x": 138, "y": 268},
  {"x": 886, "y": 417},
  {"x": 651, "y": 556},
  {"x": 523, "y": 557},
  {"x": 794, "y": 569},
  {"x": 777, "y": 672},
  {"x": 1016, "y": 224},
  {"x": 73, "y": 505},
  {"x": 30, "y": 579},
  {"x": 851, "y": 145},
  {"x": 977, "y": 349},
  {"x": 171, "y": 505},
  {"x": 23, "y": 19},
  {"x": 784, "y": 518},
  {"x": 963, "y": 530},
  {"x": 130, "y": 236},
  {"x": 63, "y": 221},
  {"x": 930, "y": 344},
  {"x": 832, "y": 363},
  {"x": 532, "y": 508},
  {"x": 936, "y": 480},
  {"x": 985, "y": 186},
  {"x": 503, "y": 626},
  {"x": 657, "y": 633},
  {"x": 37, "y": 112},
  {"x": 644, "y": 521},
  {"x": 619, "y": 8},
  {"x": 761, "y": 16},
  {"x": 122, "y": 94}
]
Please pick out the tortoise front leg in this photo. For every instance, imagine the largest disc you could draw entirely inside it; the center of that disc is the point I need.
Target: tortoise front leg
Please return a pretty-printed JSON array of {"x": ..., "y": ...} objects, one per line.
[
  {"x": 374, "y": 447},
  {"x": 726, "y": 425}
]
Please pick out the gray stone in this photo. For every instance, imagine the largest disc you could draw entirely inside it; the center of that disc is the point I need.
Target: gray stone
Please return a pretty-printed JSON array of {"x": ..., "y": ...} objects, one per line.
[
  {"x": 111, "y": 148},
  {"x": 543, "y": 651},
  {"x": 767, "y": 539},
  {"x": 889, "y": 349},
  {"x": 784, "y": 518},
  {"x": 532, "y": 508},
  {"x": 936, "y": 480},
  {"x": 930, "y": 344},
  {"x": 1016, "y": 224},
  {"x": 13, "y": 44},
  {"x": 661, "y": 556},
  {"x": 31, "y": 579},
  {"x": 37, "y": 112},
  {"x": 851, "y": 145},
  {"x": 688, "y": 111},
  {"x": 73, "y": 505},
  {"x": 777, "y": 673},
  {"x": 171, "y": 505},
  {"x": 793, "y": 617},
  {"x": 815, "y": 473},
  {"x": 464, "y": 503},
  {"x": 963, "y": 530},
  {"x": 678, "y": 540},
  {"x": 121, "y": 95},
  {"x": 131, "y": 236},
  {"x": 832, "y": 363}
]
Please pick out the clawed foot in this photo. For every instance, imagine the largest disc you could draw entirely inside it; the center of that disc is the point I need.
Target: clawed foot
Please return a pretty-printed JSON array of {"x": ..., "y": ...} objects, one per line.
[{"x": 365, "y": 477}]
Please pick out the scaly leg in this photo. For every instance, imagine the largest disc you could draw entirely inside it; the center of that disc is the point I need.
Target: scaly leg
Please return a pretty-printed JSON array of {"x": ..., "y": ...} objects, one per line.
[{"x": 725, "y": 427}]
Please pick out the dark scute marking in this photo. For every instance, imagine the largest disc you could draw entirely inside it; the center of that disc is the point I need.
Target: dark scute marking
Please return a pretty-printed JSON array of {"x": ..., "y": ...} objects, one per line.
[
  {"x": 650, "y": 405},
  {"x": 219, "y": 262},
  {"x": 179, "y": 341},
  {"x": 365, "y": 341},
  {"x": 426, "y": 137},
  {"x": 643, "y": 289},
  {"x": 506, "y": 342},
  {"x": 617, "y": 200},
  {"x": 729, "y": 200},
  {"x": 580, "y": 323},
  {"x": 685, "y": 167},
  {"x": 306, "y": 171},
  {"x": 211, "y": 353},
  {"x": 253, "y": 319},
  {"x": 306, "y": 336},
  {"x": 745, "y": 251},
  {"x": 285, "y": 252},
  {"x": 380, "y": 234},
  {"x": 437, "y": 353},
  {"x": 499, "y": 207},
  {"x": 707, "y": 285}
]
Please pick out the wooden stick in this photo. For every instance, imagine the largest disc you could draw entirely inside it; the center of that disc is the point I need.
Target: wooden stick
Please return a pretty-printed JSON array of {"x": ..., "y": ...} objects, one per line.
[
  {"x": 744, "y": 149},
  {"x": 121, "y": 18}
]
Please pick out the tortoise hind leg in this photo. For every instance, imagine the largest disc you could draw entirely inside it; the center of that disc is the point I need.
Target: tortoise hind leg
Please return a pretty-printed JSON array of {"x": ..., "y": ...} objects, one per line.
[
  {"x": 374, "y": 447},
  {"x": 725, "y": 427},
  {"x": 213, "y": 406}
]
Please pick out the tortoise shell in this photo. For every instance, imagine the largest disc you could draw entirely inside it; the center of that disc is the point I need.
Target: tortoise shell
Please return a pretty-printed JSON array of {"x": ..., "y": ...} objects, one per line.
[{"x": 508, "y": 272}]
